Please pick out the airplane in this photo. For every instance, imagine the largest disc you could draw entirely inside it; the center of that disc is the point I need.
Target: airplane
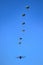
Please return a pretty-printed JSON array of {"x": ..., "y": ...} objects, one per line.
[
  {"x": 20, "y": 38},
  {"x": 20, "y": 57},
  {"x": 23, "y": 14},
  {"x": 23, "y": 23},
  {"x": 27, "y": 7}
]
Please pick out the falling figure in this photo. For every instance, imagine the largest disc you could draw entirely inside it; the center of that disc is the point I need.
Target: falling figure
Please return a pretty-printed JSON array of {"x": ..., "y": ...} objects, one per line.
[
  {"x": 23, "y": 23},
  {"x": 23, "y": 14},
  {"x": 20, "y": 57},
  {"x": 19, "y": 42},
  {"x": 20, "y": 38},
  {"x": 23, "y": 30},
  {"x": 27, "y": 7}
]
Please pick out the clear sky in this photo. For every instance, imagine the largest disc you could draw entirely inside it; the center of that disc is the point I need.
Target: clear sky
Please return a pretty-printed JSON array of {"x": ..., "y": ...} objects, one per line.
[{"x": 11, "y": 29}]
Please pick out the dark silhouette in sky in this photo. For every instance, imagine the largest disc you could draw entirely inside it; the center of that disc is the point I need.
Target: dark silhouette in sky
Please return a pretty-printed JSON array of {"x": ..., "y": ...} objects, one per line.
[
  {"x": 23, "y": 23},
  {"x": 27, "y": 7},
  {"x": 19, "y": 42},
  {"x": 20, "y": 38},
  {"x": 20, "y": 57},
  {"x": 23, "y": 30},
  {"x": 23, "y": 14}
]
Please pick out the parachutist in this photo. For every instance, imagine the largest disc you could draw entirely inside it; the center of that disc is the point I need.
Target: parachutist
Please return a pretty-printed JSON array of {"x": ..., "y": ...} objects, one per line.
[
  {"x": 19, "y": 42},
  {"x": 23, "y": 23},
  {"x": 20, "y": 38},
  {"x": 23, "y": 30},
  {"x": 23, "y": 14},
  {"x": 27, "y": 7}
]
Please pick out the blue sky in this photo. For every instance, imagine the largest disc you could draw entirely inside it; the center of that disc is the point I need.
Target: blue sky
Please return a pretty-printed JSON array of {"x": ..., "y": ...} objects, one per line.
[{"x": 10, "y": 31}]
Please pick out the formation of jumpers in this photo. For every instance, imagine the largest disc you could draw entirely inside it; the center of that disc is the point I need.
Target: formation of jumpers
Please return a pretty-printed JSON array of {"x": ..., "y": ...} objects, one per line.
[{"x": 23, "y": 23}]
